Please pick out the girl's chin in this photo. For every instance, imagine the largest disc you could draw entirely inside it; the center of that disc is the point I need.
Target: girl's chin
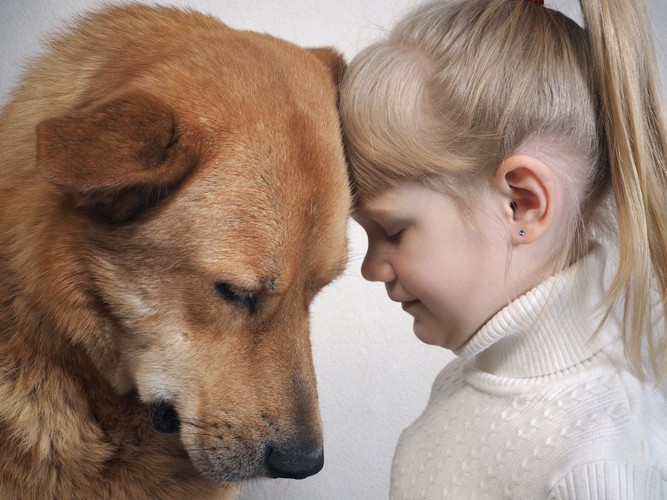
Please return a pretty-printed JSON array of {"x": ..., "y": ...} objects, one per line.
[
  {"x": 428, "y": 334},
  {"x": 432, "y": 333}
]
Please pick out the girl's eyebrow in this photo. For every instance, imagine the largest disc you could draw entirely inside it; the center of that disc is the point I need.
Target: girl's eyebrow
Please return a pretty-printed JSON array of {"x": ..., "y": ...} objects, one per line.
[
  {"x": 369, "y": 215},
  {"x": 375, "y": 211}
]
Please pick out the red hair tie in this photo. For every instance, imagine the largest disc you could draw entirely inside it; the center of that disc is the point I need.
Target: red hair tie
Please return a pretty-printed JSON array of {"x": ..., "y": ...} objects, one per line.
[{"x": 536, "y": 2}]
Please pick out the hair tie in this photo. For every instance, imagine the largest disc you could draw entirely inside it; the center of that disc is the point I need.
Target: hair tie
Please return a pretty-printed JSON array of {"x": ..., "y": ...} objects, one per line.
[{"x": 536, "y": 2}]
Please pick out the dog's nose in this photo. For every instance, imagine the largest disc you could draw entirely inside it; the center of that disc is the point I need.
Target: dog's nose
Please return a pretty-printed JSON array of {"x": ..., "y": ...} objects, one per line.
[{"x": 295, "y": 461}]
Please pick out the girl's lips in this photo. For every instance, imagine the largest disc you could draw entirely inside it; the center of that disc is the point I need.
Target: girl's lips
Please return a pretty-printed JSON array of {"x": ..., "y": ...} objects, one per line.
[{"x": 409, "y": 304}]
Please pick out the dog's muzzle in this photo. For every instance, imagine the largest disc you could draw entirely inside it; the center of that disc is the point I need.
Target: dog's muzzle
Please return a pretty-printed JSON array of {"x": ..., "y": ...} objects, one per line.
[{"x": 164, "y": 417}]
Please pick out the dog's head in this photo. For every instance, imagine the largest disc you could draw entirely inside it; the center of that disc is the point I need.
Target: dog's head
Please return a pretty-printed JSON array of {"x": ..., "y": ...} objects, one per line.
[{"x": 207, "y": 196}]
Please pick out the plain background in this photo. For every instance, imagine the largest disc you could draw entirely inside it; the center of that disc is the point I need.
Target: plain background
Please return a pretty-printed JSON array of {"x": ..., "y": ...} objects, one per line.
[{"x": 374, "y": 376}]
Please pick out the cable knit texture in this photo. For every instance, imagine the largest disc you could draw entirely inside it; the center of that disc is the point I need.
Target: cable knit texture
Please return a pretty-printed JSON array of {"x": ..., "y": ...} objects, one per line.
[{"x": 537, "y": 406}]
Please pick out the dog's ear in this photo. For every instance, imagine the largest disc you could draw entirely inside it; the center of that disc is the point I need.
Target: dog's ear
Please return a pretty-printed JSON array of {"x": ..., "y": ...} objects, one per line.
[
  {"x": 117, "y": 156},
  {"x": 332, "y": 60}
]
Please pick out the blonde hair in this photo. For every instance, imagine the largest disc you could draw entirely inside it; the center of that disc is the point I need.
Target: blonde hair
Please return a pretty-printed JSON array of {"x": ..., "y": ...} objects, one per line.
[{"x": 457, "y": 87}]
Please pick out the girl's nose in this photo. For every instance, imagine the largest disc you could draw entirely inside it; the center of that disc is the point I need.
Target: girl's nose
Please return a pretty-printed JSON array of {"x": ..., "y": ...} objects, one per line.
[{"x": 377, "y": 268}]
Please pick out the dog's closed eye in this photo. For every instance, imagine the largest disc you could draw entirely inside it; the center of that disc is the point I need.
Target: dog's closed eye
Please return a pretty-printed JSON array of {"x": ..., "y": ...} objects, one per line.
[{"x": 243, "y": 298}]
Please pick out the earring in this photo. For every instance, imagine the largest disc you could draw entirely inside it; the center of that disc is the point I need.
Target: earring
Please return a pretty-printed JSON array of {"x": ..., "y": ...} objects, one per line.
[{"x": 522, "y": 232}]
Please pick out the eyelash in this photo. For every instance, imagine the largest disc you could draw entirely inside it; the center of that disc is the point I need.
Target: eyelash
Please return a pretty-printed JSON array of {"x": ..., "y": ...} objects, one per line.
[
  {"x": 244, "y": 299},
  {"x": 395, "y": 237}
]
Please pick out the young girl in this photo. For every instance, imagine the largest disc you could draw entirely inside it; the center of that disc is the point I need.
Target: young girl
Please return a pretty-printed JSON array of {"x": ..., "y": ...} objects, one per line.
[{"x": 510, "y": 172}]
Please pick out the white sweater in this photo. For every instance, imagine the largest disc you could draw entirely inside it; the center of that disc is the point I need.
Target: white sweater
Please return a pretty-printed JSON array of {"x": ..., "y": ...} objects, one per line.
[{"x": 534, "y": 408}]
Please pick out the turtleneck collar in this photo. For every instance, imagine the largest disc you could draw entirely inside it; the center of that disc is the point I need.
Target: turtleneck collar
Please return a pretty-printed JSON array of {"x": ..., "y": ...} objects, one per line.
[{"x": 550, "y": 328}]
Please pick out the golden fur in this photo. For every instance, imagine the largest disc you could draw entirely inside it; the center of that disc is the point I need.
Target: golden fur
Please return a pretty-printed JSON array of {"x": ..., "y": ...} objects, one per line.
[{"x": 173, "y": 194}]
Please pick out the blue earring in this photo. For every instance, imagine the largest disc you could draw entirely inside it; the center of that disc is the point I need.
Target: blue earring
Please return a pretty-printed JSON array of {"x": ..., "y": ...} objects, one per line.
[{"x": 522, "y": 233}]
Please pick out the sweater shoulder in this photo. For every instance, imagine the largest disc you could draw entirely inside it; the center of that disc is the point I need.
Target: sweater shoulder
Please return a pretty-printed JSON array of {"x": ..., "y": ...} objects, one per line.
[{"x": 611, "y": 480}]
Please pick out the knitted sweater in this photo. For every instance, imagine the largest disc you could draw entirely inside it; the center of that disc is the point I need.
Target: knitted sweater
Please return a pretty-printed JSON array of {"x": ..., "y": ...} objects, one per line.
[{"x": 535, "y": 407}]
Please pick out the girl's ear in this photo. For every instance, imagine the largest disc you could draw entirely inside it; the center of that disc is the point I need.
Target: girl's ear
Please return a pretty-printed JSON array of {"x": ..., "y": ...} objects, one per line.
[{"x": 527, "y": 192}]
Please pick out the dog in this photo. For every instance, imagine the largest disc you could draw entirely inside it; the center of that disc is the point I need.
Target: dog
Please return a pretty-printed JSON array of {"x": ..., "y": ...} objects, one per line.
[{"x": 173, "y": 195}]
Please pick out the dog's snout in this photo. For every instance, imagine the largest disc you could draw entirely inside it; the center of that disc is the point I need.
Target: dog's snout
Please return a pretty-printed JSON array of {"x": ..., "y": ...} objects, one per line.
[{"x": 295, "y": 461}]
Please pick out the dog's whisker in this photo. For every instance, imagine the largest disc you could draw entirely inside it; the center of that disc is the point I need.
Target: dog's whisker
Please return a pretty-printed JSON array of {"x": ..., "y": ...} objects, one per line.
[
  {"x": 202, "y": 424},
  {"x": 202, "y": 434},
  {"x": 199, "y": 426}
]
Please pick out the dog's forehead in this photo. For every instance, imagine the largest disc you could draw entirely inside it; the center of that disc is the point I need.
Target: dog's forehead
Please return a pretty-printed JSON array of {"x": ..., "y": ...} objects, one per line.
[
  {"x": 264, "y": 209},
  {"x": 271, "y": 186},
  {"x": 274, "y": 193}
]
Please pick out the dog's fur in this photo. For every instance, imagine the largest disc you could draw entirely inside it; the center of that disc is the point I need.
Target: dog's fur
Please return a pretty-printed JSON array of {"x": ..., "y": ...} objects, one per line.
[{"x": 173, "y": 194}]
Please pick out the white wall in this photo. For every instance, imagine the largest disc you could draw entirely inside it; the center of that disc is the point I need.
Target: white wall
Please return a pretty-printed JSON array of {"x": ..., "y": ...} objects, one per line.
[{"x": 374, "y": 376}]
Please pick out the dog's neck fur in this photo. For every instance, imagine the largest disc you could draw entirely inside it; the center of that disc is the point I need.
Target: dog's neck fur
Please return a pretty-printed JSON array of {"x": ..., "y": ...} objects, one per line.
[
  {"x": 41, "y": 356},
  {"x": 67, "y": 297}
]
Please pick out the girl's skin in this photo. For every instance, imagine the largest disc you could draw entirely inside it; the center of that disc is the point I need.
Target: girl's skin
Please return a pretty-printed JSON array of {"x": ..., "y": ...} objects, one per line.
[{"x": 453, "y": 272}]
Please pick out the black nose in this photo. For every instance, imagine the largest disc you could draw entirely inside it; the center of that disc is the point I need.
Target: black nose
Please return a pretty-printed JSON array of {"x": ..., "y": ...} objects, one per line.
[
  {"x": 295, "y": 461},
  {"x": 164, "y": 417}
]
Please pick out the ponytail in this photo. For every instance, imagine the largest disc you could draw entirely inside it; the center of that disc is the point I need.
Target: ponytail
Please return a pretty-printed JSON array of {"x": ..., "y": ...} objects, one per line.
[{"x": 635, "y": 139}]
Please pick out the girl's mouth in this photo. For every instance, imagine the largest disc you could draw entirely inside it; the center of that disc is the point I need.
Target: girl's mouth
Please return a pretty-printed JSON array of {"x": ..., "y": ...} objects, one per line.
[{"x": 407, "y": 305}]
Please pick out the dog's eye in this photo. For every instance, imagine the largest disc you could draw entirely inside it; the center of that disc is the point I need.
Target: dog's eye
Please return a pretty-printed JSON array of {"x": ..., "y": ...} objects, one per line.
[{"x": 231, "y": 295}]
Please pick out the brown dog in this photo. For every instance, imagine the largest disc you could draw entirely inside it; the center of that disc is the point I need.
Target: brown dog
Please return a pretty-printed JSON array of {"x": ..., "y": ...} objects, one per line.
[{"x": 162, "y": 235}]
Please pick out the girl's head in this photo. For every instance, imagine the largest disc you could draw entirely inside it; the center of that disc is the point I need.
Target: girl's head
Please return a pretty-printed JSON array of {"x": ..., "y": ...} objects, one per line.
[{"x": 458, "y": 87}]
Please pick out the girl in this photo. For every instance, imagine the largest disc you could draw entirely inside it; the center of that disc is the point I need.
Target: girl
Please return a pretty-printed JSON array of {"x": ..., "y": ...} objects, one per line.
[{"x": 510, "y": 173}]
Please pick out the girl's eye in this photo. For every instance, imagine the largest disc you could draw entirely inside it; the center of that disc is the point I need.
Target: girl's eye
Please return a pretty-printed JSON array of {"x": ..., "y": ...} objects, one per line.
[
  {"x": 395, "y": 237},
  {"x": 233, "y": 296}
]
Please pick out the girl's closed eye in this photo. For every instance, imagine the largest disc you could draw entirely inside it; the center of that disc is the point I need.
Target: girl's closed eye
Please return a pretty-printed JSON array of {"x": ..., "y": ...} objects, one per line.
[{"x": 395, "y": 237}]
